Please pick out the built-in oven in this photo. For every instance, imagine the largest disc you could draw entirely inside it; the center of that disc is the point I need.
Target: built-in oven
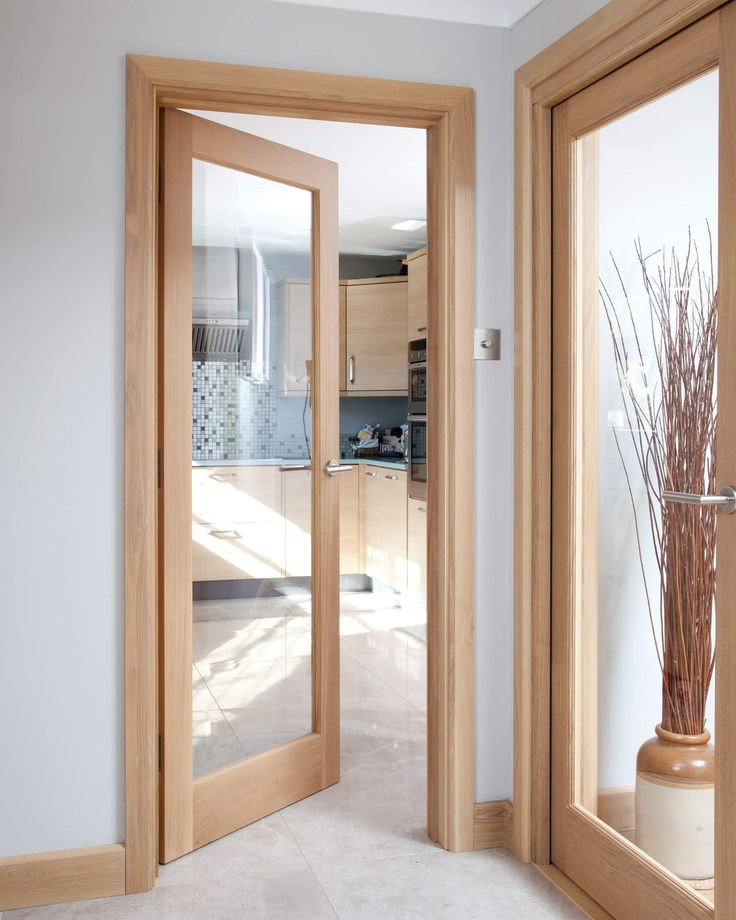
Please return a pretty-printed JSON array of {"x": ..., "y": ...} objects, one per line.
[
  {"x": 418, "y": 377},
  {"x": 417, "y": 456}
]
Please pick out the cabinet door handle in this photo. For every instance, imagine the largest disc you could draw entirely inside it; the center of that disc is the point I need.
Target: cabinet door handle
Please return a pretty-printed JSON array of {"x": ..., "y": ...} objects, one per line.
[
  {"x": 422, "y": 329},
  {"x": 391, "y": 477},
  {"x": 373, "y": 475},
  {"x": 225, "y": 534},
  {"x": 351, "y": 369},
  {"x": 223, "y": 475},
  {"x": 421, "y": 509}
]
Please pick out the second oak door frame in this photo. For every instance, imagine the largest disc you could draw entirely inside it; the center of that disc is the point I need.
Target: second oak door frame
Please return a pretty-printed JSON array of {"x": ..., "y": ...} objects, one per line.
[{"x": 620, "y": 34}]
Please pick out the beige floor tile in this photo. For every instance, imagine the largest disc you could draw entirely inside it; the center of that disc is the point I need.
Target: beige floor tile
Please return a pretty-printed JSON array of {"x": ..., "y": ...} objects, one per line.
[
  {"x": 356, "y": 851},
  {"x": 488, "y": 885}
]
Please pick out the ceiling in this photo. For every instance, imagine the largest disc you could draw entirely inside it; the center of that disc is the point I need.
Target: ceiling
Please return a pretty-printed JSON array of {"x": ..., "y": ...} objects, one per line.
[
  {"x": 382, "y": 181},
  {"x": 505, "y": 13}
]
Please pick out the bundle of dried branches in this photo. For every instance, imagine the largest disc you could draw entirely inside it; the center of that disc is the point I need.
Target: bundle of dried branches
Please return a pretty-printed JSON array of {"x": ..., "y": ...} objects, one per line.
[{"x": 671, "y": 416}]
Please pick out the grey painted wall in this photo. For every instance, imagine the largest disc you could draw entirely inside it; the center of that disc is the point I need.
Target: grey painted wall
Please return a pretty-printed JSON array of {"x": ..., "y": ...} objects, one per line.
[{"x": 61, "y": 453}]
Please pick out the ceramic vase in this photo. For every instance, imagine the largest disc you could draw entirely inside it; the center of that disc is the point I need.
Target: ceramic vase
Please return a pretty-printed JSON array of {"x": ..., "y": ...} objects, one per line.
[{"x": 674, "y": 803}]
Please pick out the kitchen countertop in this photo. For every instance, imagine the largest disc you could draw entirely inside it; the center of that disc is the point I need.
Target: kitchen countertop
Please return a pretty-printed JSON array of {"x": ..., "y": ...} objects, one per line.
[{"x": 296, "y": 461}]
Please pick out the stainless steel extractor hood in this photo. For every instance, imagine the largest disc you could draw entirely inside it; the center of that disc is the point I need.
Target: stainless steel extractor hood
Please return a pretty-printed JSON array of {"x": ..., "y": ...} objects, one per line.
[{"x": 222, "y": 338}]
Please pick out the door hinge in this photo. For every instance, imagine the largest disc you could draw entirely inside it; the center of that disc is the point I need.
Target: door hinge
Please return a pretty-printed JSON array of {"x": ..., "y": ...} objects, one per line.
[
  {"x": 159, "y": 754},
  {"x": 158, "y": 468}
]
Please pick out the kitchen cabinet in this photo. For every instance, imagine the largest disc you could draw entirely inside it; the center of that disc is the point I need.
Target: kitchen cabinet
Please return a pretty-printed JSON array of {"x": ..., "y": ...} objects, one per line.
[
  {"x": 416, "y": 551},
  {"x": 295, "y": 335},
  {"x": 351, "y": 562},
  {"x": 296, "y": 493},
  {"x": 236, "y": 493},
  {"x": 418, "y": 309},
  {"x": 255, "y": 522},
  {"x": 343, "y": 377},
  {"x": 372, "y": 343},
  {"x": 237, "y": 524},
  {"x": 384, "y": 524},
  {"x": 376, "y": 322},
  {"x": 230, "y": 550}
]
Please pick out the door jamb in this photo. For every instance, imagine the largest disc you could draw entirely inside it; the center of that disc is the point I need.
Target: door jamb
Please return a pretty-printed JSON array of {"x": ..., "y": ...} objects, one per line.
[
  {"x": 617, "y": 33},
  {"x": 447, "y": 113}
]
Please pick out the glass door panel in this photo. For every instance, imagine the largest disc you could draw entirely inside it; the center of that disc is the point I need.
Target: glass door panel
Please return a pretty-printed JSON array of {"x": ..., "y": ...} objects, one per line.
[
  {"x": 636, "y": 503},
  {"x": 249, "y": 625},
  {"x": 251, "y": 453},
  {"x": 651, "y": 570}
]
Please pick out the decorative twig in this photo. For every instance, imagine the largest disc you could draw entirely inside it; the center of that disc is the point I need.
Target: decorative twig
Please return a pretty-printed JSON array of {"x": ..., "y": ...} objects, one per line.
[{"x": 672, "y": 428}]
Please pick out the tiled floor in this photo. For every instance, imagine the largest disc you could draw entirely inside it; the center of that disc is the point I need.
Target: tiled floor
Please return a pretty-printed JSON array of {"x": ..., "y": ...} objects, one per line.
[{"x": 356, "y": 851}]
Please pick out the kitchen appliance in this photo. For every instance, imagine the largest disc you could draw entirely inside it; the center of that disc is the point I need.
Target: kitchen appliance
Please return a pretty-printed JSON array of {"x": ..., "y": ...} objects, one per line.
[
  {"x": 418, "y": 377},
  {"x": 417, "y": 456}
]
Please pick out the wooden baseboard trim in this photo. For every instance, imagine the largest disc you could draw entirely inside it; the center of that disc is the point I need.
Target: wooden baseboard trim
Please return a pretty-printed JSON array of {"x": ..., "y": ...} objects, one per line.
[
  {"x": 492, "y": 824},
  {"x": 64, "y": 875},
  {"x": 574, "y": 893}
]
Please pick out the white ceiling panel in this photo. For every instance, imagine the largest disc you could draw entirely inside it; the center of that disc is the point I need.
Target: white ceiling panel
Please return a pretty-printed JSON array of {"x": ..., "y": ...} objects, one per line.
[
  {"x": 382, "y": 182},
  {"x": 504, "y": 13}
]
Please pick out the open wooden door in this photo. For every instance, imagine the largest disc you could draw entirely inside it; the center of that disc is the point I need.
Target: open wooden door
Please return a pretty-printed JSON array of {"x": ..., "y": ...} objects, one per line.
[{"x": 249, "y": 658}]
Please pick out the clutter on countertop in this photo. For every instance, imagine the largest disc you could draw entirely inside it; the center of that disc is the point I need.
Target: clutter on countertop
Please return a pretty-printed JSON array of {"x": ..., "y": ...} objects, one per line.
[{"x": 374, "y": 441}]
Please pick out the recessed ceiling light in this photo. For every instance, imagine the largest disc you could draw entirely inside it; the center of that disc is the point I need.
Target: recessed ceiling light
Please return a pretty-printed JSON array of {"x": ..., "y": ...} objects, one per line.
[{"x": 409, "y": 225}]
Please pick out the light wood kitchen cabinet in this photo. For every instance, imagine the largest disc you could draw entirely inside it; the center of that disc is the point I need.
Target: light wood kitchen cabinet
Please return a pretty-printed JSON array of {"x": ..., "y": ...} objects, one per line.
[
  {"x": 343, "y": 339},
  {"x": 373, "y": 318},
  {"x": 416, "y": 551},
  {"x": 296, "y": 492},
  {"x": 230, "y": 550},
  {"x": 376, "y": 322},
  {"x": 236, "y": 493},
  {"x": 384, "y": 524},
  {"x": 237, "y": 525},
  {"x": 295, "y": 335},
  {"x": 418, "y": 309},
  {"x": 350, "y": 548}
]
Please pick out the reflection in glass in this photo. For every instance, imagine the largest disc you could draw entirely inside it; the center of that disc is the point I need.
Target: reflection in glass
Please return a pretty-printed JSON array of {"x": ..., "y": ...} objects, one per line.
[
  {"x": 251, "y": 449},
  {"x": 656, "y": 223}
]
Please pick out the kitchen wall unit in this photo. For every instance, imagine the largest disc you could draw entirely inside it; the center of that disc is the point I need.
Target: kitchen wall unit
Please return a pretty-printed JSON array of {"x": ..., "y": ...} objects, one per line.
[
  {"x": 417, "y": 294},
  {"x": 295, "y": 338},
  {"x": 416, "y": 551},
  {"x": 384, "y": 525},
  {"x": 373, "y": 318},
  {"x": 376, "y": 312}
]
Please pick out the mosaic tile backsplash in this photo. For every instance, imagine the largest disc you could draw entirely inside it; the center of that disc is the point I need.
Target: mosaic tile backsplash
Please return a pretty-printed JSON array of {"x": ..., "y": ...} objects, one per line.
[{"x": 236, "y": 417}]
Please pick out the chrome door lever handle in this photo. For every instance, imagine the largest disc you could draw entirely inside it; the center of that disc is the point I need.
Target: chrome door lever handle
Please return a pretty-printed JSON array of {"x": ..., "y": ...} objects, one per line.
[
  {"x": 334, "y": 467},
  {"x": 726, "y": 499}
]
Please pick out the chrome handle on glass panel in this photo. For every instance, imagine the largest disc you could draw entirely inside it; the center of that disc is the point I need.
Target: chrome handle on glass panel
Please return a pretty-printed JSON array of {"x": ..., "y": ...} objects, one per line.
[
  {"x": 334, "y": 467},
  {"x": 726, "y": 499},
  {"x": 351, "y": 369},
  {"x": 225, "y": 534}
]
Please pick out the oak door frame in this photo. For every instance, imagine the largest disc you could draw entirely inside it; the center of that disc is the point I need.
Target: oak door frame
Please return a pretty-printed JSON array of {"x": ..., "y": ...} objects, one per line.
[
  {"x": 447, "y": 113},
  {"x": 618, "y": 33}
]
